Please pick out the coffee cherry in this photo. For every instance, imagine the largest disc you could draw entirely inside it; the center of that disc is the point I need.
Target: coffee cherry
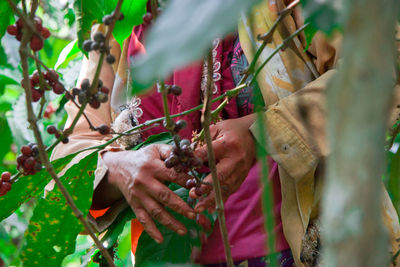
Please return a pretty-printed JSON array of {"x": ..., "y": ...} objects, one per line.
[
  {"x": 198, "y": 191},
  {"x": 75, "y": 91},
  {"x": 121, "y": 16},
  {"x": 65, "y": 140},
  {"x": 191, "y": 183},
  {"x": 107, "y": 20},
  {"x": 110, "y": 59},
  {"x": 95, "y": 46},
  {"x": 181, "y": 124},
  {"x": 36, "y": 43},
  {"x": 6, "y": 185},
  {"x": 36, "y": 95},
  {"x": 6, "y": 176},
  {"x": 105, "y": 90},
  {"x": 51, "y": 129},
  {"x": 103, "y": 129},
  {"x": 171, "y": 161},
  {"x": 94, "y": 104},
  {"x": 26, "y": 150},
  {"x": 175, "y": 90},
  {"x": 21, "y": 159},
  {"x": 20, "y": 24},
  {"x": 45, "y": 33},
  {"x": 35, "y": 150},
  {"x": 101, "y": 97},
  {"x": 52, "y": 76},
  {"x": 87, "y": 45},
  {"x": 82, "y": 97},
  {"x": 85, "y": 84},
  {"x": 99, "y": 37},
  {"x": 147, "y": 18},
  {"x": 12, "y": 30},
  {"x": 184, "y": 142},
  {"x": 191, "y": 202},
  {"x": 29, "y": 163},
  {"x": 58, "y": 88}
]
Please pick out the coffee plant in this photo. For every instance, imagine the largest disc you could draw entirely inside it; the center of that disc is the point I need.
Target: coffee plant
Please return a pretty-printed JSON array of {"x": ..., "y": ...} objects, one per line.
[{"x": 43, "y": 45}]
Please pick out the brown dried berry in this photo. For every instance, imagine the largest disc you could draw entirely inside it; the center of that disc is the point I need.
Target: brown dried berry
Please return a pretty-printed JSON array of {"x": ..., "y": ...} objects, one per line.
[{"x": 103, "y": 129}]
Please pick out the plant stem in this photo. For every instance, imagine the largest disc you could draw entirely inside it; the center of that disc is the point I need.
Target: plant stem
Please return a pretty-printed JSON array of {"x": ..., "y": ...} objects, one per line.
[
  {"x": 206, "y": 121},
  {"x": 154, "y": 9},
  {"x": 24, "y": 54}
]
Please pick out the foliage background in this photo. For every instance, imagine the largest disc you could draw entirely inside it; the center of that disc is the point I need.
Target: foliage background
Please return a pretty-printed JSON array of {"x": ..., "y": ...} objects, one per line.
[{"x": 61, "y": 51}]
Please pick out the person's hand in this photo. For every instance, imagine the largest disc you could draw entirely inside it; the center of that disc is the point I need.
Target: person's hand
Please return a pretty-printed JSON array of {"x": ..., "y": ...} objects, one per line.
[
  {"x": 234, "y": 154},
  {"x": 140, "y": 176}
]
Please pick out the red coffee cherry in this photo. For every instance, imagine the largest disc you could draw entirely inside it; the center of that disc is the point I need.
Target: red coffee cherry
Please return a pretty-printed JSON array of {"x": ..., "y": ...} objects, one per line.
[
  {"x": 6, "y": 176},
  {"x": 26, "y": 150},
  {"x": 36, "y": 43},
  {"x": 12, "y": 30}
]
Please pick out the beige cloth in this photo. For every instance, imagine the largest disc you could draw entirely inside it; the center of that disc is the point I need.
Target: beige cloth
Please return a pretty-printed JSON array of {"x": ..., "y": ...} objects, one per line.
[{"x": 299, "y": 146}]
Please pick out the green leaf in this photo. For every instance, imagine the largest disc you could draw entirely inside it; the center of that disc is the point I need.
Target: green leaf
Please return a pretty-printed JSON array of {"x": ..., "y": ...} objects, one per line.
[
  {"x": 133, "y": 15},
  {"x": 29, "y": 186},
  {"x": 162, "y": 138},
  {"x": 87, "y": 13},
  {"x": 6, "y": 16},
  {"x": 53, "y": 228},
  {"x": 182, "y": 34},
  {"x": 394, "y": 181},
  {"x": 6, "y": 138},
  {"x": 309, "y": 32},
  {"x": 67, "y": 54},
  {"x": 175, "y": 248},
  {"x": 326, "y": 16}
]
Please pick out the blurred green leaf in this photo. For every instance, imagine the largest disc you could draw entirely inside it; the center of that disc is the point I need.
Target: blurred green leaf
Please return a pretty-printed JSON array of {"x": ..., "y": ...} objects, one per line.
[
  {"x": 161, "y": 138},
  {"x": 5, "y": 80},
  {"x": 394, "y": 181},
  {"x": 182, "y": 34},
  {"x": 326, "y": 16},
  {"x": 309, "y": 32},
  {"x": 6, "y": 16},
  {"x": 67, "y": 54},
  {"x": 53, "y": 228},
  {"x": 133, "y": 13},
  {"x": 6, "y": 138},
  {"x": 87, "y": 13},
  {"x": 29, "y": 186}
]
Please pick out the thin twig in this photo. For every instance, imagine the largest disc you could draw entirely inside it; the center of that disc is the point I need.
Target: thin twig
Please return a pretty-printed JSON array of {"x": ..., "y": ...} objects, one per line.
[
  {"x": 206, "y": 121},
  {"x": 24, "y": 54},
  {"x": 154, "y": 9}
]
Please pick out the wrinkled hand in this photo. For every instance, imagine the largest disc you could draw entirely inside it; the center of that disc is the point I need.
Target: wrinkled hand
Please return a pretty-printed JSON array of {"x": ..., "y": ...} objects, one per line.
[
  {"x": 140, "y": 176},
  {"x": 234, "y": 154}
]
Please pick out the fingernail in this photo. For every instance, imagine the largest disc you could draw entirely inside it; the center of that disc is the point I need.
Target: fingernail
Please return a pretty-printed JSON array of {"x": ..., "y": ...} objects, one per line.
[
  {"x": 158, "y": 241},
  {"x": 181, "y": 232},
  {"x": 192, "y": 215}
]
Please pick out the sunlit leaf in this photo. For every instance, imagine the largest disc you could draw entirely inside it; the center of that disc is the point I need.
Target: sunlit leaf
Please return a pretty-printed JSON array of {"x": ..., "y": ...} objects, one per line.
[
  {"x": 133, "y": 12},
  {"x": 67, "y": 53},
  {"x": 182, "y": 34},
  {"x": 53, "y": 228},
  {"x": 6, "y": 138},
  {"x": 87, "y": 13},
  {"x": 6, "y": 16}
]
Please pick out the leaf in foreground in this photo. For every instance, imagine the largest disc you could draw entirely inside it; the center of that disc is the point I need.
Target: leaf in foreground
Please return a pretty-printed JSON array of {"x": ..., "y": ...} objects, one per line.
[{"x": 53, "y": 228}]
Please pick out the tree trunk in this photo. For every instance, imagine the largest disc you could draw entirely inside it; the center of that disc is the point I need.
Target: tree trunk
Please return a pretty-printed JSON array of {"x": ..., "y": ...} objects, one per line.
[{"x": 358, "y": 100}]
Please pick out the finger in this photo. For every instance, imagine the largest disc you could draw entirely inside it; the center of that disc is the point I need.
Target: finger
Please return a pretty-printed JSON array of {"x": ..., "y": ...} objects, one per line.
[
  {"x": 146, "y": 221},
  {"x": 219, "y": 147},
  {"x": 158, "y": 212},
  {"x": 164, "y": 150},
  {"x": 166, "y": 197}
]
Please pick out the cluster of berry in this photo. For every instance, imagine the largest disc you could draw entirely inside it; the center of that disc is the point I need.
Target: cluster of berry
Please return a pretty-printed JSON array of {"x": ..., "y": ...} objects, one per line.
[
  {"x": 29, "y": 162},
  {"x": 52, "y": 83},
  {"x": 183, "y": 159},
  {"x": 98, "y": 44},
  {"x": 95, "y": 98},
  {"x": 51, "y": 129},
  {"x": 5, "y": 184},
  {"x": 37, "y": 41}
]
